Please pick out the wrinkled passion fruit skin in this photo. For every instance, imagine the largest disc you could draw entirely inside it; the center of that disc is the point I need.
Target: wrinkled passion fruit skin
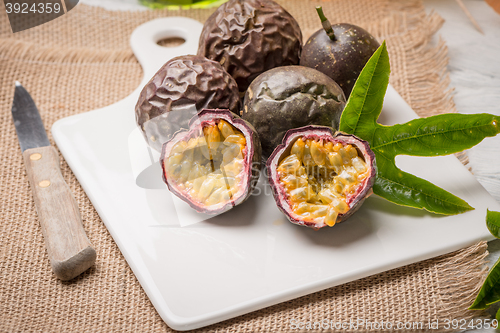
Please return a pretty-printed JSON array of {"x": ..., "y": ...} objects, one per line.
[
  {"x": 180, "y": 89},
  {"x": 252, "y": 158},
  {"x": 342, "y": 59},
  {"x": 289, "y": 97},
  {"x": 326, "y": 133},
  {"x": 248, "y": 37}
]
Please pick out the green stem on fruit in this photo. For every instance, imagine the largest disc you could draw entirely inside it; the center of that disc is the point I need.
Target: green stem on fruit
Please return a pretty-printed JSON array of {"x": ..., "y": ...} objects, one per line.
[{"x": 326, "y": 24}]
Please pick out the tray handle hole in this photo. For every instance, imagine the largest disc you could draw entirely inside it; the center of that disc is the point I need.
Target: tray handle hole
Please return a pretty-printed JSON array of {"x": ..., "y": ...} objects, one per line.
[{"x": 171, "y": 41}]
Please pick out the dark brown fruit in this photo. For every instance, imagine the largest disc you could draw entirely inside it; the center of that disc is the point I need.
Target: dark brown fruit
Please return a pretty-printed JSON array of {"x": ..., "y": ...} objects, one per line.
[
  {"x": 248, "y": 37},
  {"x": 320, "y": 178},
  {"x": 290, "y": 97},
  {"x": 215, "y": 164},
  {"x": 341, "y": 59},
  {"x": 180, "y": 89}
]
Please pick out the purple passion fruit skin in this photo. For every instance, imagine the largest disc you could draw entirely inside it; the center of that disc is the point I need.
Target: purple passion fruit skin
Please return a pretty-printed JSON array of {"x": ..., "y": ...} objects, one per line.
[
  {"x": 341, "y": 59},
  {"x": 180, "y": 89},
  {"x": 290, "y": 97},
  {"x": 320, "y": 177},
  {"x": 248, "y": 37},
  {"x": 215, "y": 164}
]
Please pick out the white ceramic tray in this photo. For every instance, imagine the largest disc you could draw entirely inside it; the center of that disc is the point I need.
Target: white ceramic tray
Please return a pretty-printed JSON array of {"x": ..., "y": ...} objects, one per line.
[{"x": 250, "y": 257}]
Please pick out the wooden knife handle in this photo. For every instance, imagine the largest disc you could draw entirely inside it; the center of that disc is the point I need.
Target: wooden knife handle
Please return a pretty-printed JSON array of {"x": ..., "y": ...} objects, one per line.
[{"x": 69, "y": 249}]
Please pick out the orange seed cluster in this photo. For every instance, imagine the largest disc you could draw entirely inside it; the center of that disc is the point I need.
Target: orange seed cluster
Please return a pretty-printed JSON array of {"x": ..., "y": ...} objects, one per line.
[
  {"x": 319, "y": 175},
  {"x": 209, "y": 167}
]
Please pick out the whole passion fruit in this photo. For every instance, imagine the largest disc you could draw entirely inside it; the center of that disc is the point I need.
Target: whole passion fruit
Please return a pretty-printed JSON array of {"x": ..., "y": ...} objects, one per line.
[
  {"x": 215, "y": 164},
  {"x": 319, "y": 177},
  {"x": 248, "y": 37},
  {"x": 340, "y": 52},
  {"x": 289, "y": 97},
  {"x": 180, "y": 89}
]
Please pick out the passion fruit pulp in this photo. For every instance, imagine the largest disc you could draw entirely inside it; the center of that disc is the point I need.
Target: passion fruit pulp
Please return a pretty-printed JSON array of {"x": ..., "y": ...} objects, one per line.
[
  {"x": 215, "y": 164},
  {"x": 320, "y": 178}
]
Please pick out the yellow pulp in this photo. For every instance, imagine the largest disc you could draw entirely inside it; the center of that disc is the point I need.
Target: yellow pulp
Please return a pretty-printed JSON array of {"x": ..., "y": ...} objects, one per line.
[
  {"x": 209, "y": 167},
  {"x": 318, "y": 177}
]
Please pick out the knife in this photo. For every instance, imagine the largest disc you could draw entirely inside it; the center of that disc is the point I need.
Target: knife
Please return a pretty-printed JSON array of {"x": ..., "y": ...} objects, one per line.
[{"x": 70, "y": 252}]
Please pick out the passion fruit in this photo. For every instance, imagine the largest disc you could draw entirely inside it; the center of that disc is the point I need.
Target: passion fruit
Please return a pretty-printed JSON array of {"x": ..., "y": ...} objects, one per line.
[
  {"x": 180, "y": 89},
  {"x": 339, "y": 51},
  {"x": 248, "y": 37},
  {"x": 320, "y": 177},
  {"x": 289, "y": 97},
  {"x": 215, "y": 164}
]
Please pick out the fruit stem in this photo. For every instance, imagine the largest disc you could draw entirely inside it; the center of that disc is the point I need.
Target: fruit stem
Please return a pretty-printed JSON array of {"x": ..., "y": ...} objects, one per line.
[{"x": 326, "y": 24}]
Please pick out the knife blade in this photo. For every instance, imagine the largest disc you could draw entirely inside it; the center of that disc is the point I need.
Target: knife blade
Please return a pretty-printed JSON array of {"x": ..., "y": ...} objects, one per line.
[{"x": 70, "y": 251}]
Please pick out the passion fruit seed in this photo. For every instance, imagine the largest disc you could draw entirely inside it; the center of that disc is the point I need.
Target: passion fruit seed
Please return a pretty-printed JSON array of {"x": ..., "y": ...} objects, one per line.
[
  {"x": 318, "y": 176},
  {"x": 209, "y": 167}
]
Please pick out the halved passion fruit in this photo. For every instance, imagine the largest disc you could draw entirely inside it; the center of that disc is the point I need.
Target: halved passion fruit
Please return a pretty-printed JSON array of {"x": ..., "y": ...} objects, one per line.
[
  {"x": 319, "y": 177},
  {"x": 215, "y": 164}
]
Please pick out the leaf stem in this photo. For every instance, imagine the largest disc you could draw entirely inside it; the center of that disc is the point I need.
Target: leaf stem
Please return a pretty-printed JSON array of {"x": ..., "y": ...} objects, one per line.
[{"x": 327, "y": 26}]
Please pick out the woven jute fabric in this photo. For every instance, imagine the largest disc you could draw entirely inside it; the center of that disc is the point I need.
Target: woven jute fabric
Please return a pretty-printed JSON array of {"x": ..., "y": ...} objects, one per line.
[{"x": 82, "y": 61}]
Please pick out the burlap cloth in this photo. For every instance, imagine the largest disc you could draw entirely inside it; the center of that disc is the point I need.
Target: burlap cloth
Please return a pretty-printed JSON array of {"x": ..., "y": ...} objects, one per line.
[{"x": 82, "y": 61}]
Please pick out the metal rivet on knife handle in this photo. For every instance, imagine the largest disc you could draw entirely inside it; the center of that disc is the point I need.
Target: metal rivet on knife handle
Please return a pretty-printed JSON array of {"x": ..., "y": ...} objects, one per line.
[
  {"x": 35, "y": 157},
  {"x": 44, "y": 183}
]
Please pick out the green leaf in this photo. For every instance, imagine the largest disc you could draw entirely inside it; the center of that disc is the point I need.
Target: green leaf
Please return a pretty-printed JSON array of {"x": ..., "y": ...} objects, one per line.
[
  {"x": 490, "y": 290},
  {"x": 493, "y": 223},
  {"x": 432, "y": 136},
  {"x": 406, "y": 189},
  {"x": 367, "y": 96},
  {"x": 443, "y": 134}
]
